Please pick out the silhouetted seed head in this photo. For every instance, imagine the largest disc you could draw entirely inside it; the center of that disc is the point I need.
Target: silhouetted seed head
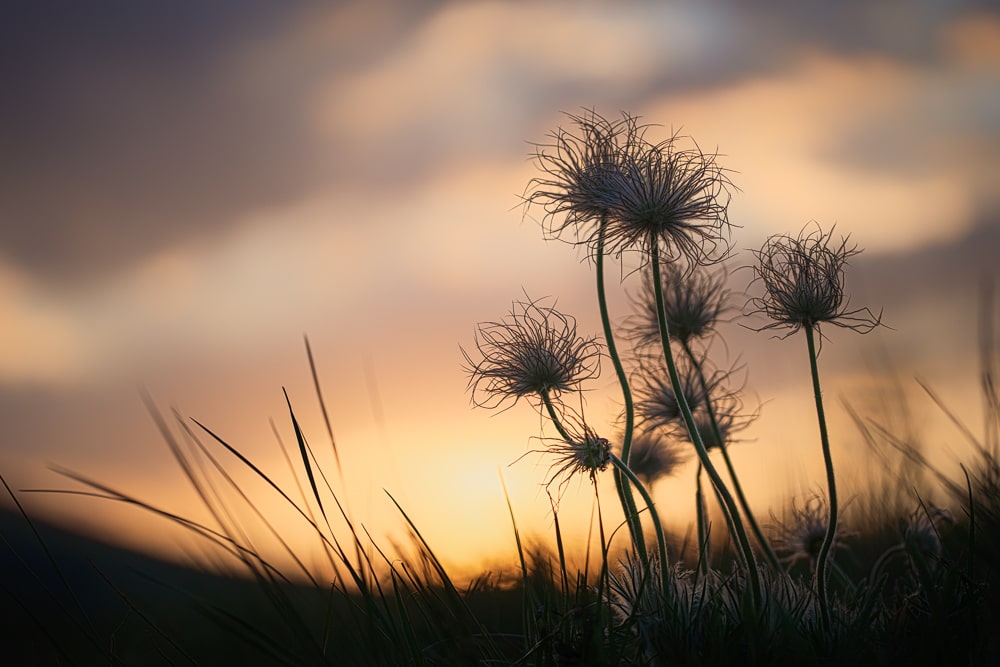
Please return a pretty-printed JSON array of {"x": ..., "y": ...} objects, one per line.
[
  {"x": 801, "y": 538},
  {"x": 673, "y": 196},
  {"x": 922, "y": 531},
  {"x": 693, "y": 301},
  {"x": 584, "y": 452},
  {"x": 580, "y": 164},
  {"x": 534, "y": 351},
  {"x": 656, "y": 402},
  {"x": 803, "y": 279},
  {"x": 653, "y": 457},
  {"x": 729, "y": 417},
  {"x": 607, "y": 171}
]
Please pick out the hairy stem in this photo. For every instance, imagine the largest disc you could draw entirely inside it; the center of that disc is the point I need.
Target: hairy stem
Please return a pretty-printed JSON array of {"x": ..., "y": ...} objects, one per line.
[
  {"x": 772, "y": 558},
  {"x": 621, "y": 481},
  {"x": 831, "y": 483},
  {"x": 737, "y": 524},
  {"x": 621, "y": 467}
]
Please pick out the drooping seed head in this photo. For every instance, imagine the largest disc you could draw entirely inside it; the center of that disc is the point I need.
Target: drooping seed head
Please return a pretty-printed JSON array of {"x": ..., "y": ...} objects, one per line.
[{"x": 583, "y": 452}]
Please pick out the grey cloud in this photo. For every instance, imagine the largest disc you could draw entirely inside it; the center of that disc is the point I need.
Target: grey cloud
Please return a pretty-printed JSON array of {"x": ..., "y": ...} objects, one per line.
[{"x": 122, "y": 129}]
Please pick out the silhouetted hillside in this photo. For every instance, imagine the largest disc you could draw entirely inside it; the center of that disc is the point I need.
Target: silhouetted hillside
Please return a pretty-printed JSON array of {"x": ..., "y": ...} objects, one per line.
[{"x": 98, "y": 604}]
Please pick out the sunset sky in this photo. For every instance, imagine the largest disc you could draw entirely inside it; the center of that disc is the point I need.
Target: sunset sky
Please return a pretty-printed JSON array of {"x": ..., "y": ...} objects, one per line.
[{"x": 188, "y": 188}]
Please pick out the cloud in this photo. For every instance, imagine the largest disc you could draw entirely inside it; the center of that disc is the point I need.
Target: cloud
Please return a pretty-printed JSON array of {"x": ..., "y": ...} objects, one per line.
[
  {"x": 125, "y": 129},
  {"x": 39, "y": 341},
  {"x": 472, "y": 75},
  {"x": 130, "y": 130},
  {"x": 861, "y": 141}
]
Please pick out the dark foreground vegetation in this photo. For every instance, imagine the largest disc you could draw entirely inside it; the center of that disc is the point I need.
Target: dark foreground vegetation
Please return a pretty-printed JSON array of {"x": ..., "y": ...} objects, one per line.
[{"x": 107, "y": 606}]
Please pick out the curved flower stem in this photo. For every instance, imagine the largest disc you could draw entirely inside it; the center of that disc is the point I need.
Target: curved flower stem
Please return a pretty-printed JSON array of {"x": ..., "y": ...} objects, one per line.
[
  {"x": 772, "y": 558},
  {"x": 654, "y": 515},
  {"x": 831, "y": 482},
  {"x": 744, "y": 543},
  {"x": 621, "y": 483},
  {"x": 626, "y": 472},
  {"x": 704, "y": 554},
  {"x": 554, "y": 416}
]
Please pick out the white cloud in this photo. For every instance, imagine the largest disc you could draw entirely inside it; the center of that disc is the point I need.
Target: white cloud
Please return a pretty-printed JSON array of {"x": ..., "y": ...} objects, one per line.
[
  {"x": 789, "y": 136},
  {"x": 475, "y": 66}
]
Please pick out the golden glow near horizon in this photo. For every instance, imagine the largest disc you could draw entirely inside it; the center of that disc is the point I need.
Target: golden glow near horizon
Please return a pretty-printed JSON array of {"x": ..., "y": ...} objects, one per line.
[{"x": 407, "y": 231}]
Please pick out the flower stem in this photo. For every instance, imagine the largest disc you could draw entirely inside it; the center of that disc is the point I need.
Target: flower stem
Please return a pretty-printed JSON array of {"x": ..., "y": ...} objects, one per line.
[
  {"x": 554, "y": 416},
  {"x": 772, "y": 558},
  {"x": 744, "y": 543},
  {"x": 831, "y": 482},
  {"x": 654, "y": 515},
  {"x": 704, "y": 554},
  {"x": 620, "y": 466},
  {"x": 621, "y": 482}
]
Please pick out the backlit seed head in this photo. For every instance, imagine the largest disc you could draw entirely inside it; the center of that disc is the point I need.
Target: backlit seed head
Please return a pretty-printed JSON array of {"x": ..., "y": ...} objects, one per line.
[
  {"x": 803, "y": 280},
  {"x": 604, "y": 173},
  {"x": 923, "y": 529},
  {"x": 584, "y": 452},
  {"x": 729, "y": 420},
  {"x": 579, "y": 166},
  {"x": 635, "y": 590},
  {"x": 656, "y": 404},
  {"x": 801, "y": 538},
  {"x": 534, "y": 351},
  {"x": 694, "y": 300},
  {"x": 673, "y": 195},
  {"x": 653, "y": 456}
]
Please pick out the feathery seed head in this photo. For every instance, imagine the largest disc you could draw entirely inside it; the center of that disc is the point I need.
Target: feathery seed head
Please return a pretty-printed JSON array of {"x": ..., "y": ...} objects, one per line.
[
  {"x": 694, "y": 299},
  {"x": 922, "y": 530},
  {"x": 535, "y": 351},
  {"x": 652, "y": 456},
  {"x": 577, "y": 189},
  {"x": 803, "y": 280},
  {"x": 605, "y": 173},
  {"x": 583, "y": 452},
  {"x": 801, "y": 538},
  {"x": 676, "y": 197},
  {"x": 656, "y": 404}
]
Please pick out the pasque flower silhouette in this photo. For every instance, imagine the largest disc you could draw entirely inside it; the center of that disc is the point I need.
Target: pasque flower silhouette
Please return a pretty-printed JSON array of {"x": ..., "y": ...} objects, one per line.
[
  {"x": 580, "y": 166},
  {"x": 606, "y": 178},
  {"x": 803, "y": 280},
  {"x": 694, "y": 301},
  {"x": 535, "y": 351}
]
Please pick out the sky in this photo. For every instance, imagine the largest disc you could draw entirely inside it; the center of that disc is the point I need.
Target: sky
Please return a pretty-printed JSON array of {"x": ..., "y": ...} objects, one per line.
[{"x": 187, "y": 189}]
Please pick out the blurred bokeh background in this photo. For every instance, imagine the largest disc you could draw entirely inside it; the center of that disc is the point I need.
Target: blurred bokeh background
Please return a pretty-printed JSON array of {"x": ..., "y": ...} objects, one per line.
[{"x": 188, "y": 188}]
